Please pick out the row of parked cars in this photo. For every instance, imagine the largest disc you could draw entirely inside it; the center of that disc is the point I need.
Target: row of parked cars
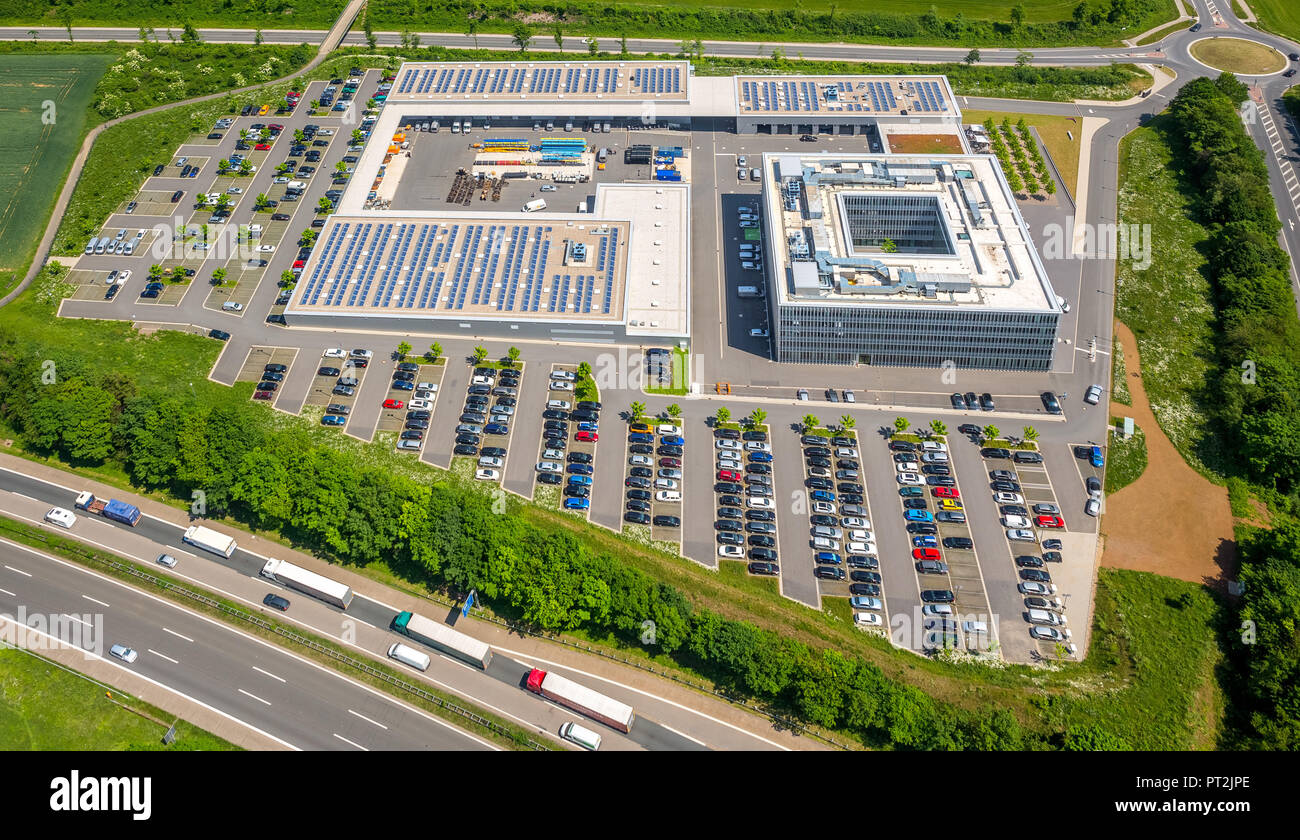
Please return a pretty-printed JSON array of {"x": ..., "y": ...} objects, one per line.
[
  {"x": 479, "y": 417},
  {"x": 562, "y": 422},
  {"x": 745, "y": 500},
  {"x": 645, "y": 475}
]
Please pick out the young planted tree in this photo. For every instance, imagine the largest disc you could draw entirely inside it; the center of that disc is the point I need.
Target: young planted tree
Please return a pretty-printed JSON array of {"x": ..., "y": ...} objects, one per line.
[
  {"x": 522, "y": 36},
  {"x": 480, "y": 353},
  {"x": 991, "y": 432},
  {"x": 637, "y": 410},
  {"x": 218, "y": 276},
  {"x": 287, "y": 280},
  {"x": 674, "y": 411},
  {"x": 435, "y": 352},
  {"x": 938, "y": 427},
  {"x": 810, "y": 422},
  {"x": 1030, "y": 433},
  {"x": 901, "y": 424},
  {"x": 402, "y": 349},
  {"x": 756, "y": 418},
  {"x": 513, "y": 355},
  {"x": 584, "y": 370},
  {"x": 722, "y": 415}
]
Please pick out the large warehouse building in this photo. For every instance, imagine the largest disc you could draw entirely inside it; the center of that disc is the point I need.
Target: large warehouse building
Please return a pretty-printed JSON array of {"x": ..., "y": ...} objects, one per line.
[{"x": 900, "y": 260}]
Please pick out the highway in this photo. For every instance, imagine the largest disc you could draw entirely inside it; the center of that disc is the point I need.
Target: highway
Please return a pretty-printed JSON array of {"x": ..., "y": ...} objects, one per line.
[{"x": 661, "y": 724}]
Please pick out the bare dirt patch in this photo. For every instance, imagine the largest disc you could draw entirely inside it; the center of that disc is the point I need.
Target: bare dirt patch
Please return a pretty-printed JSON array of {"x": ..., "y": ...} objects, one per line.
[
  {"x": 1171, "y": 520},
  {"x": 939, "y": 144}
]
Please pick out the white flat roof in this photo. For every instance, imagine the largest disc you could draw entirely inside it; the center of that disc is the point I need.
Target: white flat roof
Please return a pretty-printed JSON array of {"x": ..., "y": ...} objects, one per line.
[{"x": 658, "y": 254}]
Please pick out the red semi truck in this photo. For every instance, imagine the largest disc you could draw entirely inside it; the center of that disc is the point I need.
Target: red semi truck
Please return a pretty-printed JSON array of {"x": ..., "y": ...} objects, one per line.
[{"x": 581, "y": 699}]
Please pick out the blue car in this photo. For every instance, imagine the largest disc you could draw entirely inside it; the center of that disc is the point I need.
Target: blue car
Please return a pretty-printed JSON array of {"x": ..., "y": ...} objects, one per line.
[
  {"x": 584, "y": 480},
  {"x": 918, "y": 516},
  {"x": 1096, "y": 458},
  {"x": 673, "y": 440},
  {"x": 828, "y": 557},
  {"x": 577, "y": 504},
  {"x": 926, "y": 541},
  {"x": 588, "y": 427},
  {"x": 580, "y": 469},
  {"x": 760, "y": 458},
  {"x": 496, "y": 429},
  {"x": 399, "y": 385},
  {"x": 823, "y": 496},
  {"x": 640, "y": 437},
  {"x": 333, "y": 420}
]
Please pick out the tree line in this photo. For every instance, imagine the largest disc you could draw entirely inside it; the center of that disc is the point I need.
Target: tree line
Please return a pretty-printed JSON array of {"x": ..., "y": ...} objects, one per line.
[{"x": 275, "y": 477}]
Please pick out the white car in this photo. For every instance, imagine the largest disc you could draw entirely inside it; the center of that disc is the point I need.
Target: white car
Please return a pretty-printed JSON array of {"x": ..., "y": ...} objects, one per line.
[
  {"x": 485, "y": 474},
  {"x": 1033, "y": 587},
  {"x": 1009, "y": 498},
  {"x": 823, "y": 507},
  {"x": 124, "y": 653},
  {"x": 760, "y": 503},
  {"x": 561, "y": 385},
  {"x": 483, "y": 380},
  {"x": 553, "y": 454},
  {"x": 489, "y": 461},
  {"x": 232, "y": 306},
  {"x": 846, "y": 452},
  {"x": 733, "y": 552},
  {"x": 975, "y": 628},
  {"x": 943, "y": 610},
  {"x": 283, "y": 179},
  {"x": 727, "y": 444},
  {"x": 1050, "y": 634},
  {"x": 427, "y": 386},
  {"x": 819, "y": 472},
  {"x": 665, "y": 484},
  {"x": 910, "y": 479},
  {"x": 855, "y": 522},
  {"x": 866, "y": 619},
  {"x": 1092, "y": 507},
  {"x": 935, "y": 457},
  {"x": 123, "y": 276},
  {"x": 866, "y": 603},
  {"x": 729, "y": 463},
  {"x": 1015, "y": 522},
  {"x": 363, "y": 354},
  {"x": 166, "y": 560},
  {"x": 266, "y": 249},
  {"x": 566, "y": 375},
  {"x": 1021, "y": 535},
  {"x": 61, "y": 517},
  {"x": 504, "y": 410},
  {"x": 641, "y": 461},
  {"x": 757, "y": 446},
  {"x": 235, "y": 190},
  {"x": 336, "y": 353},
  {"x": 858, "y": 534},
  {"x": 670, "y": 473},
  {"x": 862, "y": 548},
  {"x": 933, "y": 446},
  {"x": 668, "y": 496},
  {"x": 667, "y": 429},
  {"x": 906, "y": 466},
  {"x": 420, "y": 404},
  {"x": 549, "y": 467},
  {"x": 1093, "y": 395},
  {"x": 825, "y": 544}
]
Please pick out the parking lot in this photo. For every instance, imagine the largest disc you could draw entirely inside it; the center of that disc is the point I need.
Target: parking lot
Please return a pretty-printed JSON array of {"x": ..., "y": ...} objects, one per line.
[
  {"x": 566, "y": 453},
  {"x": 744, "y": 493},
  {"x": 657, "y": 475}
]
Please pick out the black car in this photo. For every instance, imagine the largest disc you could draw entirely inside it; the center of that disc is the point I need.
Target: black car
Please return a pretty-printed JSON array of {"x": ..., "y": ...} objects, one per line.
[
  {"x": 666, "y": 521},
  {"x": 844, "y": 441},
  {"x": 864, "y": 589},
  {"x": 1052, "y": 544},
  {"x": 986, "y": 402},
  {"x": 937, "y": 596},
  {"x": 273, "y": 368},
  {"x": 762, "y": 541},
  {"x": 579, "y": 491},
  {"x": 820, "y": 483},
  {"x": 158, "y": 170},
  {"x": 579, "y": 458},
  {"x": 726, "y": 434},
  {"x": 672, "y": 451},
  {"x": 757, "y": 436},
  {"x": 555, "y": 414},
  {"x": 763, "y": 554},
  {"x": 902, "y": 446},
  {"x": 760, "y": 527},
  {"x": 727, "y": 487},
  {"x": 1005, "y": 486},
  {"x": 760, "y": 515},
  {"x": 819, "y": 462},
  {"x": 404, "y": 376},
  {"x": 644, "y": 507},
  {"x": 468, "y": 438},
  {"x": 589, "y": 405},
  {"x": 958, "y": 542},
  {"x": 823, "y": 519},
  {"x": 914, "y": 504},
  {"x": 849, "y": 488},
  {"x": 922, "y": 528},
  {"x": 220, "y": 335},
  {"x": 764, "y": 569},
  {"x": 958, "y": 402},
  {"x": 280, "y": 217},
  {"x": 412, "y": 434},
  {"x": 267, "y": 386},
  {"x": 1024, "y": 456},
  {"x": 862, "y": 576},
  {"x": 995, "y": 452},
  {"x": 1093, "y": 484},
  {"x": 216, "y": 135},
  {"x": 641, "y": 495},
  {"x": 829, "y": 572},
  {"x": 1052, "y": 556},
  {"x": 551, "y": 478},
  {"x": 862, "y": 561},
  {"x": 640, "y": 449},
  {"x": 635, "y": 517},
  {"x": 968, "y": 429},
  {"x": 936, "y": 469},
  {"x": 642, "y": 472},
  {"x": 177, "y": 196},
  {"x": 726, "y": 525},
  {"x": 1029, "y": 561},
  {"x": 276, "y": 601},
  {"x": 1035, "y": 575},
  {"x": 820, "y": 451},
  {"x": 268, "y": 376},
  {"x": 1013, "y": 510},
  {"x": 1051, "y": 403},
  {"x": 851, "y": 498},
  {"x": 328, "y": 371},
  {"x": 728, "y": 538},
  {"x": 730, "y": 513}
]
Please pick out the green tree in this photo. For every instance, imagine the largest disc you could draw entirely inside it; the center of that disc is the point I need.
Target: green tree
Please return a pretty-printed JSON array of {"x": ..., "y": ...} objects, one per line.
[
  {"x": 357, "y": 136},
  {"x": 1023, "y": 57},
  {"x": 1030, "y": 433},
  {"x": 513, "y": 355},
  {"x": 403, "y": 348},
  {"x": 260, "y": 201},
  {"x": 324, "y": 205},
  {"x": 218, "y": 276},
  {"x": 190, "y": 35},
  {"x": 257, "y": 38},
  {"x": 810, "y": 422},
  {"x": 722, "y": 415},
  {"x": 371, "y": 41},
  {"x": 757, "y": 417},
  {"x": 1017, "y": 16},
  {"x": 480, "y": 353},
  {"x": 638, "y": 411},
  {"x": 435, "y": 352},
  {"x": 991, "y": 432},
  {"x": 287, "y": 280},
  {"x": 593, "y": 46},
  {"x": 557, "y": 33},
  {"x": 901, "y": 424},
  {"x": 674, "y": 411},
  {"x": 522, "y": 36},
  {"x": 584, "y": 370},
  {"x": 939, "y": 427},
  {"x": 972, "y": 57},
  {"x": 471, "y": 29},
  {"x": 622, "y": 45},
  {"x": 847, "y": 421},
  {"x": 889, "y": 246}
]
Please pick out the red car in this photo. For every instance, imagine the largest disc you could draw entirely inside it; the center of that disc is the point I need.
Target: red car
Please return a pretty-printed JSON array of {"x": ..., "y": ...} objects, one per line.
[
  {"x": 587, "y": 437},
  {"x": 263, "y": 395},
  {"x": 1049, "y": 522},
  {"x": 926, "y": 554},
  {"x": 728, "y": 475},
  {"x": 394, "y": 404},
  {"x": 946, "y": 493},
  {"x": 276, "y": 127},
  {"x": 263, "y": 147},
  {"x": 299, "y": 263}
]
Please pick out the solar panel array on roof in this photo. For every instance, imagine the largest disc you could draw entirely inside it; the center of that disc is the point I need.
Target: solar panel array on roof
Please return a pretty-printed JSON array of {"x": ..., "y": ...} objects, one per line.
[
  {"x": 587, "y": 79},
  {"x": 873, "y": 96},
  {"x": 447, "y": 268},
  {"x": 657, "y": 80}
]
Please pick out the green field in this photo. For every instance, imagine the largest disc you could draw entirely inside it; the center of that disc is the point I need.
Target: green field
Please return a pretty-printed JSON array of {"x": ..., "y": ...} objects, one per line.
[
  {"x": 318, "y": 14},
  {"x": 1280, "y": 16},
  {"x": 46, "y": 707},
  {"x": 40, "y": 142},
  {"x": 1126, "y": 460}
]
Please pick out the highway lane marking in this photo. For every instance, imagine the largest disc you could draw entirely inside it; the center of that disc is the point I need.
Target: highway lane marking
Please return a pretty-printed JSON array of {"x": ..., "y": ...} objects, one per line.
[
  {"x": 177, "y": 635},
  {"x": 7, "y": 592},
  {"x": 74, "y": 618},
  {"x": 168, "y": 658},
  {"x": 97, "y": 601},
  {"x": 683, "y": 734},
  {"x": 269, "y": 674},
  {"x": 353, "y": 743},
  {"x": 19, "y": 571},
  {"x": 366, "y": 719},
  {"x": 25, "y": 496},
  {"x": 255, "y": 697}
]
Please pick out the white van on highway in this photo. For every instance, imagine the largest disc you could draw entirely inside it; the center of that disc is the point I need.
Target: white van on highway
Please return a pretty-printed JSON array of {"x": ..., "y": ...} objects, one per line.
[
  {"x": 409, "y": 656},
  {"x": 580, "y": 735}
]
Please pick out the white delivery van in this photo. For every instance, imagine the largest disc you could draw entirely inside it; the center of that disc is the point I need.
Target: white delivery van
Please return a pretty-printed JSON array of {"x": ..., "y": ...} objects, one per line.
[
  {"x": 580, "y": 735},
  {"x": 409, "y": 656},
  {"x": 535, "y": 205},
  {"x": 90, "y": 246},
  {"x": 749, "y": 291},
  {"x": 101, "y": 245},
  {"x": 296, "y": 185}
]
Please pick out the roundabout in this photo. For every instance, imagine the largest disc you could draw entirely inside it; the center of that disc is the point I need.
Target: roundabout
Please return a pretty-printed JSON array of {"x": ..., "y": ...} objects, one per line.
[{"x": 1239, "y": 56}]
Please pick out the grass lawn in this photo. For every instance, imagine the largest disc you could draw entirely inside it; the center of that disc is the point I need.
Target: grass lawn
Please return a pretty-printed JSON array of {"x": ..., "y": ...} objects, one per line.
[
  {"x": 1119, "y": 391},
  {"x": 1280, "y": 16},
  {"x": 44, "y": 706},
  {"x": 319, "y": 14},
  {"x": 1063, "y": 150},
  {"x": 1245, "y": 58},
  {"x": 1168, "y": 306},
  {"x": 40, "y": 141},
  {"x": 1126, "y": 459},
  {"x": 1163, "y": 32}
]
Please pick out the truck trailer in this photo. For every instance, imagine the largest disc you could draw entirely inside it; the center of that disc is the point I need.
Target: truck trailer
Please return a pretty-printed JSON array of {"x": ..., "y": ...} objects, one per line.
[
  {"x": 446, "y": 639},
  {"x": 581, "y": 699},
  {"x": 209, "y": 540},
  {"x": 127, "y": 514},
  {"x": 304, "y": 580}
]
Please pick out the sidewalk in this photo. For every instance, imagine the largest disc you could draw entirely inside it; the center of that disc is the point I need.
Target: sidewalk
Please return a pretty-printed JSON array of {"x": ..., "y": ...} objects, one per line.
[{"x": 507, "y": 641}]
